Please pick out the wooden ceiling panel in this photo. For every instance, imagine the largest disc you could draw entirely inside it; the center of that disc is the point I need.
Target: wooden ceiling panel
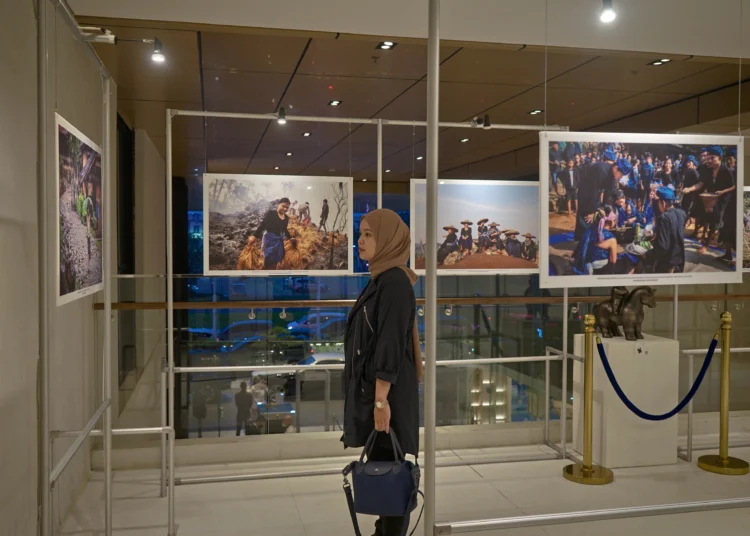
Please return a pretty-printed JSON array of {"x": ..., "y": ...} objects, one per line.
[
  {"x": 665, "y": 119},
  {"x": 625, "y": 73},
  {"x": 187, "y": 155},
  {"x": 221, "y": 128},
  {"x": 252, "y": 53},
  {"x": 243, "y": 92},
  {"x": 228, "y": 165},
  {"x": 151, "y": 116},
  {"x": 360, "y": 58},
  {"x": 622, "y": 108},
  {"x": 139, "y": 78},
  {"x": 361, "y": 97},
  {"x": 523, "y": 67},
  {"x": 458, "y": 101},
  {"x": 712, "y": 78}
]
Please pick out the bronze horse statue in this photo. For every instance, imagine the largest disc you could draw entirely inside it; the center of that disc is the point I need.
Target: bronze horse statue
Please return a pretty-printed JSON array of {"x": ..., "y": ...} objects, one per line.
[{"x": 624, "y": 309}]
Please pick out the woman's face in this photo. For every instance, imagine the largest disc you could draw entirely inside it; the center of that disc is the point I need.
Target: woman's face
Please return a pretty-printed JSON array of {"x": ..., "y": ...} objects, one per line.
[
  {"x": 466, "y": 226},
  {"x": 714, "y": 161},
  {"x": 367, "y": 241},
  {"x": 283, "y": 208}
]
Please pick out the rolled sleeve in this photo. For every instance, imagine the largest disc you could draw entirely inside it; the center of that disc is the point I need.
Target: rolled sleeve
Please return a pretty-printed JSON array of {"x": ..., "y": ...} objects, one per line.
[{"x": 394, "y": 324}]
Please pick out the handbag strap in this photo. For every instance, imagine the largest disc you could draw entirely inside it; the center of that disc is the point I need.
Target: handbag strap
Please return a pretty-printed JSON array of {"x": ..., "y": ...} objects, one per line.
[
  {"x": 350, "y": 500},
  {"x": 398, "y": 453}
]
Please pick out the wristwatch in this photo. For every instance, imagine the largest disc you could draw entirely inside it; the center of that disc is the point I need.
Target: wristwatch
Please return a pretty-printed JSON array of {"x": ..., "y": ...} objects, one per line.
[{"x": 381, "y": 405}]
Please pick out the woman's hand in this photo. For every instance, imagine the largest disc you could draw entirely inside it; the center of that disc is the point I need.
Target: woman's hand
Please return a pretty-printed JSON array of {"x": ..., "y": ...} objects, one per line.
[{"x": 383, "y": 419}]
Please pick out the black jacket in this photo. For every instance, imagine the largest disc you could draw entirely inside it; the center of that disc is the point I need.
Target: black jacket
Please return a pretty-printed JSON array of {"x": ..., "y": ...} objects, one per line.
[{"x": 378, "y": 345}]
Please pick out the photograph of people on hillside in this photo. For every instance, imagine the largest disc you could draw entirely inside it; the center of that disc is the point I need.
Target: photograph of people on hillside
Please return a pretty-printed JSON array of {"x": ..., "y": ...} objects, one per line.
[
  {"x": 624, "y": 208},
  {"x": 483, "y": 226},
  {"x": 79, "y": 211},
  {"x": 255, "y": 224}
]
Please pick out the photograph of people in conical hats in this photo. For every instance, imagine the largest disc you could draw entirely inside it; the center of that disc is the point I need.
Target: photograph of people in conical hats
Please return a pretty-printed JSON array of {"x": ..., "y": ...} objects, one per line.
[
  {"x": 79, "y": 213},
  {"x": 259, "y": 224},
  {"x": 483, "y": 226},
  {"x": 630, "y": 208}
]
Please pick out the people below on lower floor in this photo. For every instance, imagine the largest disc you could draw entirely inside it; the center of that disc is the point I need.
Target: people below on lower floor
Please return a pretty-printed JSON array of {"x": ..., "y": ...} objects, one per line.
[{"x": 244, "y": 402}]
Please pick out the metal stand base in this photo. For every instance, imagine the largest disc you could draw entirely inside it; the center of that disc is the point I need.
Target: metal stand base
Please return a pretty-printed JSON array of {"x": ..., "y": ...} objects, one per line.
[
  {"x": 713, "y": 463},
  {"x": 596, "y": 476}
]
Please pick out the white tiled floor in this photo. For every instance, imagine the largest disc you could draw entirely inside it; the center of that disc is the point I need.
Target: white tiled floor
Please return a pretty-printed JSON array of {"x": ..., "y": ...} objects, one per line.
[{"x": 315, "y": 506}]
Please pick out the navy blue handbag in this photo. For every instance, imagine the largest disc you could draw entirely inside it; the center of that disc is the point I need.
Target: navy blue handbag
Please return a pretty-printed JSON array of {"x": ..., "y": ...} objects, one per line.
[{"x": 382, "y": 488}]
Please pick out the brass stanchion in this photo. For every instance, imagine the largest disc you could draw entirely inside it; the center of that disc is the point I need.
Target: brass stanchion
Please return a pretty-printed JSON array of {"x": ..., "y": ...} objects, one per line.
[
  {"x": 588, "y": 473},
  {"x": 724, "y": 464}
]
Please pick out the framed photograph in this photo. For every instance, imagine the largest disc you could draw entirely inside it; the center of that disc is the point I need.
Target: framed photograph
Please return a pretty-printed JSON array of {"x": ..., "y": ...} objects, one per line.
[
  {"x": 746, "y": 230},
  {"x": 484, "y": 227},
  {"x": 79, "y": 213},
  {"x": 640, "y": 209},
  {"x": 277, "y": 224}
]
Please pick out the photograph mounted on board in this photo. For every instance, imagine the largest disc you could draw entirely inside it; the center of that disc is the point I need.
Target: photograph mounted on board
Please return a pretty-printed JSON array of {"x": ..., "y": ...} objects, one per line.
[
  {"x": 746, "y": 231},
  {"x": 79, "y": 213},
  {"x": 261, "y": 224},
  {"x": 482, "y": 226},
  {"x": 632, "y": 209}
]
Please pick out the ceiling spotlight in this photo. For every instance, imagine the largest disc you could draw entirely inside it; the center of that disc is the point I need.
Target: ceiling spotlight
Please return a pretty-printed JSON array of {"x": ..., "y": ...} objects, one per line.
[
  {"x": 486, "y": 124},
  {"x": 276, "y": 168},
  {"x": 476, "y": 122},
  {"x": 659, "y": 62},
  {"x": 309, "y": 187},
  {"x": 386, "y": 45},
  {"x": 281, "y": 117},
  {"x": 196, "y": 169},
  {"x": 608, "y": 12},
  {"x": 656, "y": 63},
  {"x": 464, "y": 140},
  {"x": 306, "y": 134},
  {"x": 335, "y": 103},
  {"x": 158, "y": 55},
  {"x": 289, "y": 154},
  {"x": 666, "y": 60},
  {"x": 364, "y": 180},
  {"x": 387, "y": 170},
  {"x": 442, "y": 182},
  {"x": 420, "y": 158},
  {"x": 536, "y": 111}
]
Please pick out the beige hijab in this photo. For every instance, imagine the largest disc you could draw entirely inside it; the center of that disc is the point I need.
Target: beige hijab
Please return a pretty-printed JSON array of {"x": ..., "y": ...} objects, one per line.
[{"x": 392, "y": 250}]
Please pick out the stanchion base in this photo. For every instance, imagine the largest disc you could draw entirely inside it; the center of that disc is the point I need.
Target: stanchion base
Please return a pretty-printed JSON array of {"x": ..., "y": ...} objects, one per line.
[
  {"x": 731, "y": 466},
  {"x": 597, "y": 476}
]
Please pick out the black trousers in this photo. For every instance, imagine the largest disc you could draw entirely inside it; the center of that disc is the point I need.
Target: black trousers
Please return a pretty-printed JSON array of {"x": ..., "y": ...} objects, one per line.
[{"x": 388, "y": 526}]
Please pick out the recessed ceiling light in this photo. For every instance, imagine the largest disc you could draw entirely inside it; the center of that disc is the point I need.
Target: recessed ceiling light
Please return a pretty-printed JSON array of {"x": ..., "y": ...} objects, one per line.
[
  {"x": 442, "y": 182},
  {"x": 420, "y": 157},
  {"x": 387, "y": 170},
  {"x": 335, "y": 103},
  {"x": 535, "y": 111},
  {"x": 309, "y": 187},
  {"x": 666, "y": 60},
  {"x": 386, "y": 45},
  {"x": 656, "y": 63},
  {"x": 306, "y": 134},
  {"x": 289, "y": 154},
  {"x": 364, "y": 180},
  {"x": 276, "y": 168},
  {"x": 464, "y": 140},
  {"x": 196, "y": 169}
]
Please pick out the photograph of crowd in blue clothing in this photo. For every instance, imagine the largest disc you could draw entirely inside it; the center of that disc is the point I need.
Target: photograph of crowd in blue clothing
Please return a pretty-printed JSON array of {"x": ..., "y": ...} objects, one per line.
[
  {"x": 263, "y": 224},
  {"x": 623, "y": 209}
]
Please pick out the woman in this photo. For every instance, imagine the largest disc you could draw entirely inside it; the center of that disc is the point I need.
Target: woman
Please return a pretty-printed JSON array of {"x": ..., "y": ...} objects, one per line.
[
  {"x": 529, "y": 248},
  {"x": 466, "y": 242},
  {"x": 484, "y": 234},
  {"x": 599, "y": 246},
  {"x": 449, "y": 245},
  {"x": 273, "y": 229},
  {"x": 383, "y": 360}
]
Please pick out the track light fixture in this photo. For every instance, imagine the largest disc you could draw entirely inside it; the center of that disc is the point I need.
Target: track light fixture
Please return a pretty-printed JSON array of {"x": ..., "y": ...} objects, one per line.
[
  {"x": 281, "y": 116},
  {"x": 486, "y": 123},
  {"x": 158, "y": 55},
  {"x": 608, "y": 12}
]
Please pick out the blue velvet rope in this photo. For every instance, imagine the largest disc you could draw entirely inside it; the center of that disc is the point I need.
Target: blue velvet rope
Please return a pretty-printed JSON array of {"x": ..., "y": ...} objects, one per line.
[{"x": 648, "y": 416}]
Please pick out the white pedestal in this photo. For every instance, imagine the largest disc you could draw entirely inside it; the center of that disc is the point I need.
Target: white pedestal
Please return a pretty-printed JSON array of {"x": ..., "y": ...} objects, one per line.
[{"x": 648, "y": 371}]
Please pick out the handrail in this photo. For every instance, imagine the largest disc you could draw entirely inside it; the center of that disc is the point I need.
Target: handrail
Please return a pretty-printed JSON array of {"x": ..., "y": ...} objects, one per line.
[
  {"x": 81, "y": 436},
  {"x": 586, "y": 516},
  {"x": 320, "y": 368},
  {"x": 731, "y": 350},
  {"x": 56, "y": 434},
  {"x": 476, "y": 300}
]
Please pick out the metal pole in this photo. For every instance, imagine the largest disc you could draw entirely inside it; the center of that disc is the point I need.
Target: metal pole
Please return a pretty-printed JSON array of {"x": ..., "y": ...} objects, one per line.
[
  {"x": 541, "y": 520},
  {"x": 675, "y": 312},
  {"x": 564, "y": 405},
  {"x": 588, "y": 473},
  {"x": 546, "y": 400},
  {"x": 430, "y": 401},
  {"x": 81, "y": 437},
  {"x": 44, "y": 306},
  {"x": 297, "y": 399},
  {"x": 724, "y": 464},
  {"x": 327, "y": 406},
  {"x": 170, "y": 323},
  {"x": 163, "y": 408},
  {"x": 107, "y": 278},
  {"x": 690, "y": 411},
  {"x": 380, "y": 163}
]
